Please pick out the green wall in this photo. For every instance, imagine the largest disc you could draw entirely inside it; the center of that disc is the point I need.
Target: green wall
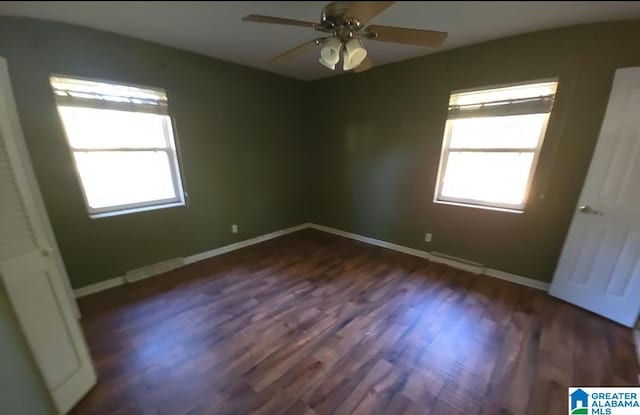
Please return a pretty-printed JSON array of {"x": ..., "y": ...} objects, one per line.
[
  {"x": 22, "y": 391},
  {"x": 237, "y": 131},
  {"x": 377, "y": 137},
  {"x": 355, "y": 152}
]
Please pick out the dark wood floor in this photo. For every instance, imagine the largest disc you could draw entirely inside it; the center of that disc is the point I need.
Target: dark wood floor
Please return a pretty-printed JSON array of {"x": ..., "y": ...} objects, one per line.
[{"x": 312, "y": 323}]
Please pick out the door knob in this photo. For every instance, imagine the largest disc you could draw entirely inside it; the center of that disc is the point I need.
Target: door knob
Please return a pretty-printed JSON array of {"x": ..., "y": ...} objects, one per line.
[{"x": 588, "y": 210}]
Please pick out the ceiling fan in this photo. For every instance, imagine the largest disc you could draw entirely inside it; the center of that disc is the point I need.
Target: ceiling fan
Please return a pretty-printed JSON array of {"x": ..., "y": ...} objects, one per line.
[{"x": 344, "y": 22}]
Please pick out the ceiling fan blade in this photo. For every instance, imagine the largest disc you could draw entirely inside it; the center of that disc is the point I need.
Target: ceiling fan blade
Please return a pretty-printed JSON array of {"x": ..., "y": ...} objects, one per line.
[
  {"x": 277, "y": 20},
  {"x": 361, "y": 10},
  {"x": 298, "y": 50},
  {"x": 405, "y": 35},
  {"x": 365, "y": 65},
  {"x": 366, "y": 10}
]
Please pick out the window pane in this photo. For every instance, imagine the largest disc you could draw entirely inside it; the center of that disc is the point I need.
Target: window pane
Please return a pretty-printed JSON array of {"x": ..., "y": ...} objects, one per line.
[
  {"x": 489, "y": 177},
  {"x": 112, "y": 178},
  {"x": 504, "y": 93},
  {"x": 514, "y": 131},
  {"x": 103, "y": 129}
]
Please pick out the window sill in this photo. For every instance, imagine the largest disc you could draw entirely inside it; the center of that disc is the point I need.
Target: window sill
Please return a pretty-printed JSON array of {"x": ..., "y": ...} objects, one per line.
[
  {"x": 470, "y": 205},
  {"x": 135, "y": 210}
]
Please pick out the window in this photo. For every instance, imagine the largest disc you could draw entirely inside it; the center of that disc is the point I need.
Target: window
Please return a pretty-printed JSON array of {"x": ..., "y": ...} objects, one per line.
[
  {"x": 121, "y": 138},
  {"x": 491, "y": 145}
]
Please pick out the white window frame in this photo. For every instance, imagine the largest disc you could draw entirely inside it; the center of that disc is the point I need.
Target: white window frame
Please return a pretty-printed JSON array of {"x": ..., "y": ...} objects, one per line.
[
  {"x": 446, "y": 150},
  {"x": 171, "y": 149}
]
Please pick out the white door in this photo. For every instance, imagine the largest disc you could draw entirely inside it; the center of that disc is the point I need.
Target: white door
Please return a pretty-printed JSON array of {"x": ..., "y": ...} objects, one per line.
[
  {"x": 32, "y": 271},
  {"x": 599, "y": 268}
]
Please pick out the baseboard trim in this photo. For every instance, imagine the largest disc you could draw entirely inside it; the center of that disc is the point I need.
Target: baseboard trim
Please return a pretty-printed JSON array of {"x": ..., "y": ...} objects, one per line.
[
  {"x": 507, "y": 276},
  {"x": 458, "y": 264},
  {"x": 98, "y": 286},
  {"x": 372, "y": 241},
  {"x": 242, "y": 244},
  {"x": 114, "y": 282}
]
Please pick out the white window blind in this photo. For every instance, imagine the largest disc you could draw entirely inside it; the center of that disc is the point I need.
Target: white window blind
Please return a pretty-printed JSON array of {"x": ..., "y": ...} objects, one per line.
[
  {"x": 491, "y": 144},
  {"x": 101, "y": 95},
  {"x": 121, "y": 139}
]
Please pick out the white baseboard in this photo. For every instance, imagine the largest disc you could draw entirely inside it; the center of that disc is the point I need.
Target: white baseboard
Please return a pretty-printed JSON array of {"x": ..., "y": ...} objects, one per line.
[
  {"x": 114, "y": 282},
  {"x": 98, "y": 286},
  {"x": 453, "y": 262},
  {"x": 458, "y": 264},
  {"x": 507, "y": 276},
  {"x": 248, "y": 242},
  {"x": 372, "y": 241}
]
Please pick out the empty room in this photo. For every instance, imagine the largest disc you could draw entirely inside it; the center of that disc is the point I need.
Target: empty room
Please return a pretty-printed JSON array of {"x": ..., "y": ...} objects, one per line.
[{"x": 313, "y": 208}]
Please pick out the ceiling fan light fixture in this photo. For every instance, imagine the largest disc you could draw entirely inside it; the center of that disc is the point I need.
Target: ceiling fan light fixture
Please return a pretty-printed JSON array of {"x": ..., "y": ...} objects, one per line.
[
  {"x": 354, "y": 54},
  {"x": 326, "y": 64},
  {"x": 330, "y": 53}
]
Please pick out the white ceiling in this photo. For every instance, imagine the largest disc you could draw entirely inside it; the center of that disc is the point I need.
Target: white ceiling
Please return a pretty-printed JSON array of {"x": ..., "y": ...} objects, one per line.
[{"x": 215, "y": 28}]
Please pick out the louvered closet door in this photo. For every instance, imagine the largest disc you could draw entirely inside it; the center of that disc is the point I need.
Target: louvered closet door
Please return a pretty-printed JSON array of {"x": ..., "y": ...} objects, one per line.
[{"x": 31, "y": 271}]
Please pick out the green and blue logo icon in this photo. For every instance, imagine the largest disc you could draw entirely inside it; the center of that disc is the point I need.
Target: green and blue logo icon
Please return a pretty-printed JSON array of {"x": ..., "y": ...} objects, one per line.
[{"x": 579, "y": 402}]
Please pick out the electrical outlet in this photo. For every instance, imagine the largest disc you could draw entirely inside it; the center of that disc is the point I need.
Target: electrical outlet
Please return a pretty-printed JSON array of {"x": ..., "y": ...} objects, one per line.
[
  {"x": 234, "y": 228},
  {"x": 428, "y": 237}
]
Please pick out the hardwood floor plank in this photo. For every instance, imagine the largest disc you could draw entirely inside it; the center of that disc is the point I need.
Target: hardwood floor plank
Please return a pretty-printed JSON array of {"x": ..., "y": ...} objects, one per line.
[{"x": 316, "y": 324}]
